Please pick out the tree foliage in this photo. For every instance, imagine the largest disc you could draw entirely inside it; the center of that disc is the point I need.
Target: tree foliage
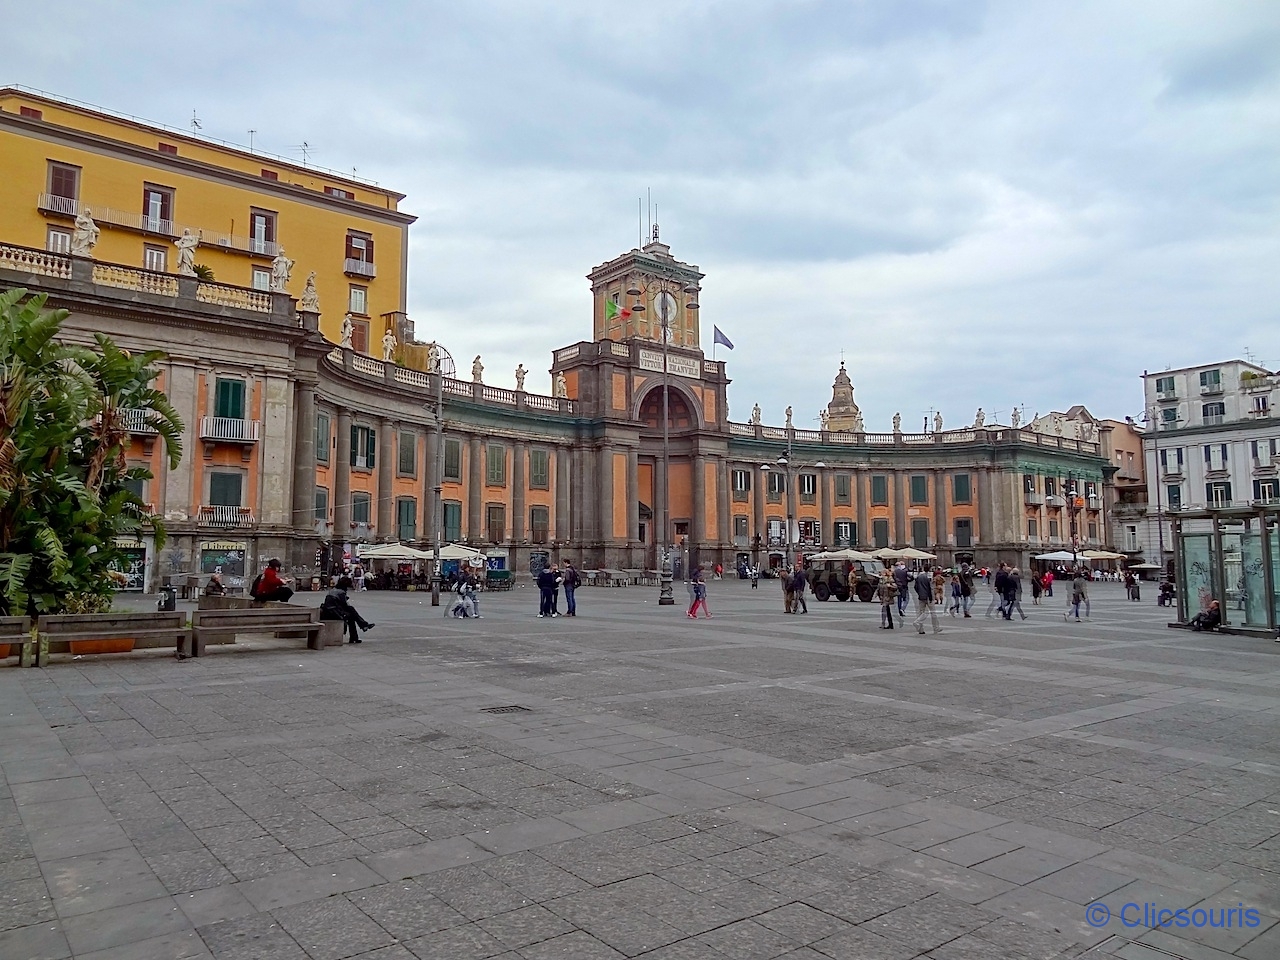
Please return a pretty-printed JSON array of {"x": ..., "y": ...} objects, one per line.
[{"x": 64, "y": 431}]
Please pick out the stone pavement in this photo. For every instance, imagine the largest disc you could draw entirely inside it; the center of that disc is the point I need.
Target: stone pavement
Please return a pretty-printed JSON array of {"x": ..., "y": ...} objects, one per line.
[{"x": 752, "y": 786}]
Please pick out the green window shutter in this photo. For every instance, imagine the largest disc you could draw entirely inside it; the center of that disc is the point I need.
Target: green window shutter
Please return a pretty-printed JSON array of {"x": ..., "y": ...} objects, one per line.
[
  {"x": 355, "y": 444},
  {"x": 919, "y": 489},
  {"x": 322, "y": 437},
  {"x": 228, "y": 399},
  {"x": 225, "y": 489},
  {"x": 879, "y": 489},
  {"x": 960, "y": 487},
  {"x": 373, "y": 443}
]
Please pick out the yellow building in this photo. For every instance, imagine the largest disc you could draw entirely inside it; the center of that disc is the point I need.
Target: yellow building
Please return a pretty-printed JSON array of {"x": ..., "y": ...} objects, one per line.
[{"x": 145, "y": 185}]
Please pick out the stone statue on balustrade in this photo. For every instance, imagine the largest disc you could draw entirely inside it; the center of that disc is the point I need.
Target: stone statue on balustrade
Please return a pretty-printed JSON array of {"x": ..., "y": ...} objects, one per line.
[
  {"x": 280, "y": 267},
  {"x": 310, "y": 302},
  {"x": 521, "y": 373},
  {"x": 788, "y": 418},
  {"x": 348, "y": 331},
  {"x": 897, "y": 423},
  {"x": 477, "y": 370},
  {"x": 562, "y": 386},
  {"x": 755, "y": 414},
  {"x": 937, "y": 422},
  {"x": 389, "y": 344},
  {"x": 858, "y": 425},
  {"x": 1015, "y": 418},
  {"x": 433, "y": 358},
  {"x": 822, "y": 418},
  {"x": 85, "y": 235},
  {"x": 979, "y": 419},
  {"x": 186, "y": 245}
]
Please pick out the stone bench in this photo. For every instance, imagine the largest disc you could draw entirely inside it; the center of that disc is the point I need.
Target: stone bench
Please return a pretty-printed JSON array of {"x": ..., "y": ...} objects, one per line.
[
  {"x": 85, "y": 633},
  {"x": 16, "y": 640},
  {"x": 280, "y": 620}
]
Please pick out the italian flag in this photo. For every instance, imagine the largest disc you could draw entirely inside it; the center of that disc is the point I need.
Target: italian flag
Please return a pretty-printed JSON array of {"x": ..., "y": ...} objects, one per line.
[{"x": 613, "y": 311}]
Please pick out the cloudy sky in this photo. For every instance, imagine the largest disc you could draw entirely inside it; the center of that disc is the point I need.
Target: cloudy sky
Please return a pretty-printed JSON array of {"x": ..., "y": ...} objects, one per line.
[{"x": 980, "y": 203}]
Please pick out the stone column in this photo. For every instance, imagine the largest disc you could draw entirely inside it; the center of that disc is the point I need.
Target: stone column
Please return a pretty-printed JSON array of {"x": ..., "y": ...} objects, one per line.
[
  {"x": 860, "y": 499},
  {"x": 304, "y": 458},
  {"x": 475, "y": 493},
  {"x": 633, "y": 495},
  {"x": 940, "y": 493},
  {"x": 899, "y": 508},
  {"x": 431, "y": 480},
  {"x": 275, "y": 505},
  {"x": 724, "y": 513},
  {"x": 180, "y": 495},
  {"x": 759, "y": 493},
  {"x": 698, "y": 522},
  {"x": 519, "y": 486},
  {"x": 983, "y": 531},
  {"x": 341, "y": 472},
  {"x": 387, "y": 529},
  {"x": 604, "y": 499},
  {"x": 563, "y": 482},
  {"x": 828, "y": 532}
]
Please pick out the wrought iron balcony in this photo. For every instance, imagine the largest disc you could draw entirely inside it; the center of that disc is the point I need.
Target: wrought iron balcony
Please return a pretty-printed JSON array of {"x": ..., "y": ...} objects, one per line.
[
  {"x": 230, "y": 429},
  {"x": 359, "y": 268},
  {"x": 218, "y": 515},
  {"x": 135, "y": 421}
]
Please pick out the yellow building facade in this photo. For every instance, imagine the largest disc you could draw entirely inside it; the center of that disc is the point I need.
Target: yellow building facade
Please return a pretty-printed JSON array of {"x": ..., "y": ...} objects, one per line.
[{"x": 145, "y": 185}]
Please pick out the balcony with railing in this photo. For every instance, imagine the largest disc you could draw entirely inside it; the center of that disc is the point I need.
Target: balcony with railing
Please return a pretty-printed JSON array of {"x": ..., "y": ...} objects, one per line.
[
  {"x": 1211, "y": 389},
  {"x": 142, "y": 223},
  {"x": 135, "y": 421},
  {"x": 1031, "y": 498},
  {"x": 1214, "y": 420},
  {"x": 230, "y": 429},
  {"x": 218, "y": 515},
  {"x": 354, "y": 267}
]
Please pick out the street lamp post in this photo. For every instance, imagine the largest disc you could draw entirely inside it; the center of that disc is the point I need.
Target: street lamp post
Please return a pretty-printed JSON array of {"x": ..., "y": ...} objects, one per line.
[
  {"x": 1071, "y": 517},
  {"x": 665, "y": 306},
  {"x": 437, "y": 505},
  {"x": 1152, "y": 419},
  {"x": 788, "y": 466}
]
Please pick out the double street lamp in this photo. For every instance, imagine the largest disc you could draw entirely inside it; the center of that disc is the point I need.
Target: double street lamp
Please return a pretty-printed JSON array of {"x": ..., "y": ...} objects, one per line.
[
  {"x": 662, "y": 292},
  {"x": 788, "y": 468}
]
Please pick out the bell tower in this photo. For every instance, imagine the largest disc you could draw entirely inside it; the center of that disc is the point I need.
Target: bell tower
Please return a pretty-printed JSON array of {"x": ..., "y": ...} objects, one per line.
[
  {"x": 843, "y": 414},
  {"x": 634, "y": 293}
]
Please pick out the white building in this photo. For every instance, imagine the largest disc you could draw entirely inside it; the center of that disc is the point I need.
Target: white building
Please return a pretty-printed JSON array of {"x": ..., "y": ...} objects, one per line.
[{"x": 1211, "y": 441}]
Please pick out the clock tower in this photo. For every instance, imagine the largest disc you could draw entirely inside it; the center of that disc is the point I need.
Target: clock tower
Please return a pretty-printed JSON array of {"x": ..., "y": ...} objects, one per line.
[{"x": 634, "y": 294}]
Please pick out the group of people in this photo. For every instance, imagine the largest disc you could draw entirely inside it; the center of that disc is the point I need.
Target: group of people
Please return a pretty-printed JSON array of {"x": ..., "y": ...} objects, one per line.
[
  {"x": 273, "y": 586},
  {"x": 896, "y": 587},
  {"x": 550, "y": 579}
]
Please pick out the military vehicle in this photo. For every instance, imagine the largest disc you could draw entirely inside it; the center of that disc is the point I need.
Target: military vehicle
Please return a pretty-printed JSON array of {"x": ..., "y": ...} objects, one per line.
[{"x": 831, "y": 578}]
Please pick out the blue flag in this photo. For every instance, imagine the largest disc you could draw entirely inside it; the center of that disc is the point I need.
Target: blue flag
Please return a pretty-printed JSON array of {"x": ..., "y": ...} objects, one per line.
[{"x": 721, "y": 338}]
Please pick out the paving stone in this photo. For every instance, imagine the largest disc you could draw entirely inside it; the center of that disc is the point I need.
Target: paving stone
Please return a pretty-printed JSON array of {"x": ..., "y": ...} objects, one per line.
[
  {"x": 526, "y": 926},
  {"x": 331, "y": 928},
  {"x": 254, "y": 937},
  {"x": 1024, "y": 865}
]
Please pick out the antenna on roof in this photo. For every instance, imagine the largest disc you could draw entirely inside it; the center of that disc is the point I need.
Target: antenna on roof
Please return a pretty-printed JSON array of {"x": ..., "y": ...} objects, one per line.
[
  {"x": 195, "y": 121},
  {"x": 306, "y": 150},
  {"x": 639, "y": 221},
  {"x": 251, "y": 133}
]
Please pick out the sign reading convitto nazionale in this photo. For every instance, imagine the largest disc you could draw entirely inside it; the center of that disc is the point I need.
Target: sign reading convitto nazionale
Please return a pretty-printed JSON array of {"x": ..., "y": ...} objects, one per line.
[{"x": 679, "y": 366}]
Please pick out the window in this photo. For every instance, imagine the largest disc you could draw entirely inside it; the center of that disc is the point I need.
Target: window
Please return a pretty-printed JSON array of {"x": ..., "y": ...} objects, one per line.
[
  {"x": 155, "y": 258},
  {"x": 964, "y": 532},
  {"x": 1173, "y": 493},
  {"x": 407, "y": 449},
  {"x": 406, "y": 518},
  {"x": 1171, "y": 460},
  {"x": 1033, "y": 529},
  {"x": 1053, "y": 530},
  {"x": 138, "y": 487},
  {"x": 64, "y": 182},
  {"x": 1131, "y": 539},
  {"x": 1093, "y": 531},
  {"x": 260, "y": 278},
  {"x": 31, "y": 113},
  {"x": 1210, "y": 381},
  {"x": 269, "y": 174},
  {"x": 919, "y": 488},
  {"x": 157, "y": 208},
  {"x": 1028, "y": 483},
  {"x": 58, "y": 240},
  {"x": 961, "y": 491},
  {"x": 777, "y": 485},
  {"x": 1215, "y": 456},
  {"x": 741, "y": 484},
  {"x": 1261, "y": 406},
  {"x": 919, "y": 533},
  {"x": 1165, "y": 385},
  {"x": 1218, "y": 493},
  {"x": 1265, "y": 490},
  {"x": 358, "y": 300},
  {"x": 225, "y": 489},
  {"x": 879, "y": 489},
  {"x": 1090, "y": 489},
  {"x": 740, "y": 529},
  {"x": 844, "y": 533},
  {"x": 1263, "y": 450},
  {"x": 776, "y": 532},
  {"x": 359, "y": 247},
  {"x": 1050, "y": 486},
  {"x": 322, "y": 437},
  {"x": 262, "y": 231},
  {"x": 495, "y": 462},
  {"x": 496, "y": 522},
  {"x": 808, "y": 487},
  {"x": 453, "y": 460},
  {"x": 168, "y": 148},
  {"x": 228, "y": 399},
  {"x": 539, "y": 524},
  {"x": 844, "y": 495},
  {"x": 452, "y": 520},
  {"x": 364, "y": 444},
  {"x": 1213, "y": 412},
  {"x": 539, "y": 469},
  {"x": 339, "y": 193},
  {"x": 360, "y": 505},
  {"x": 880, "y": 533},
  {"x": 322, "y": 504},
  {"x": 360, "y": 337},
  {"x": 807, "y": 530}
]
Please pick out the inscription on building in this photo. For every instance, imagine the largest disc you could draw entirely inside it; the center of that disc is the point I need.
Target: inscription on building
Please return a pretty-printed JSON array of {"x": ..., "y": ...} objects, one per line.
[{"x": 680, "y": 366}]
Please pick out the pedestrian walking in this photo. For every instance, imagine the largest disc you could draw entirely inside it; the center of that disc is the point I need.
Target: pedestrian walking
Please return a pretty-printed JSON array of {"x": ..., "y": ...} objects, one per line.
[
  {"x": 337, "y": 606},
  {"x": 1048, "y": 583},
  {"x": 966, "y": 589},
  {"x": 901, "y": 580},
  {"x": 1013, "y": 595},
  {"x": 698, "y": 591},
  {"x": 995, "y": 588},
  {"x": 924, "y": 602},
  {"x": 755, "y": 578},
  {"x": 1036, "y": 589},
  {"x": 357, "y": 577},
  {"x": 888, "y": 593},
  {"x": 788, "y": 593},
  {"x": 571, "y": 583},
  {"x": 939, "y": 585},
  {"x": 798, "y": 583},
  {"x": 1079, "y": 595},
  {"x": 955, "y": 594}
]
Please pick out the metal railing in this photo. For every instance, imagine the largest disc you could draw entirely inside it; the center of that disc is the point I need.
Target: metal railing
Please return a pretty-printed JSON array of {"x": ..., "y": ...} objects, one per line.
[
  {"x": 230, "y": 428},
  {"x": 217, "y": 515},
  {"x": 359, "y": 268},
  {"x": 135, "y": 421}
]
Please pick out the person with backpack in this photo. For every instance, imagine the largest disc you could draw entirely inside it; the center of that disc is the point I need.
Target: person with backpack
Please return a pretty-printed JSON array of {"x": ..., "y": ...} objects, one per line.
[
  {"x": 997, "y": 586},
  {"x": 548, "y": 580},
  {"x": 924, "y": 602},
  {"x": 269, "y": 585},
  {"x": 1079, "y": 595},
  {"x": 698, "y": 591},
  {"x": 337, "y": 606},
  {"x": 799, "y": 580},
  {"x": 966, "y": 589},
  {"x": 901, "y": 580},
  {"x": 571, "y": 583},
  {"x": 887, "y": 593}
]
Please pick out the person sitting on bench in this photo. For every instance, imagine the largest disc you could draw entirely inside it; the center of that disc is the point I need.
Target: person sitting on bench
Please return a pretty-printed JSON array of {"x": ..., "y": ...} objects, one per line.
[
  {"x": 215, "y": 587},
  {"x": 336, "y": 606},
  {"x": 1208, "y": 619},
  {"x": 271, "y": 586}
]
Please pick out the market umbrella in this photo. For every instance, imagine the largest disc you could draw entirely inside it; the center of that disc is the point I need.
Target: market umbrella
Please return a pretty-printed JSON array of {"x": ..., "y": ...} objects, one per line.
[
  {"x": 911, "y": 553},
  {"x": 846, "y": 554},
  {"x": 1102, "y": 555},
  {"x": 888, "y": 553},
  {"x": 392, "y": 551},
  {"x": 455, "y": 551},
  {"x": 1059, "y": 556}
]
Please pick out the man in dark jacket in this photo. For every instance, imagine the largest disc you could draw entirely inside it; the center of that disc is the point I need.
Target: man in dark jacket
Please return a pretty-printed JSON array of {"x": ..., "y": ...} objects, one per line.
[
  {"x": 571, "y": 583},
  {"x": 1000, "y": 587},
  {"x": 799, "y": 580},
  {"x": 337, "y": 606},
  {"x": 548, "y": 581},
  {"x": 902, "y": 580},
  {"x": 923, "y": 587}
]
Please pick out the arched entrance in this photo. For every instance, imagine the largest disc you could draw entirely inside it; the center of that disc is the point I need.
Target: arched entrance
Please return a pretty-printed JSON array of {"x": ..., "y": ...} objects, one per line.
[{"x": 680, "y": 415}]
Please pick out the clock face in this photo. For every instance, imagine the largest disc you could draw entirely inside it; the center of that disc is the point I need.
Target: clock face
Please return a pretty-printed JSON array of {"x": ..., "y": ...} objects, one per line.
[{"x": 664, "y": 305}]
